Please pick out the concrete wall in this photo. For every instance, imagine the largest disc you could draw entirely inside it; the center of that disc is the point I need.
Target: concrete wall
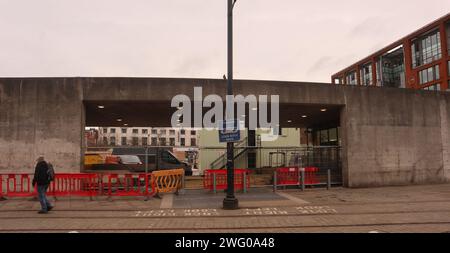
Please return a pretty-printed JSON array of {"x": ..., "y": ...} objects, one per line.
[
  {"x": 445, "y": 134},
  {"x": 395, "y": 137},
  {"x": 390, "y": 136},
  {"x": 39, "y": 116}
]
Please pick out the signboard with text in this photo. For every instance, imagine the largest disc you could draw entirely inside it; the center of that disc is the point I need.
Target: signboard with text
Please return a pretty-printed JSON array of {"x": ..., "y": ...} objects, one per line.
[{"x": 229, "y": 131}]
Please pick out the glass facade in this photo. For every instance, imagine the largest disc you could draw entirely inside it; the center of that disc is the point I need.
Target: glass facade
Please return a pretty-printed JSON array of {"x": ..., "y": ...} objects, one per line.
[
  {"x": 429, "y": 75},
  {"x": 378, "y": 72},
  {"x": 351, "y": 78},
  {"x": 433, "y": 87},
  {"x": 426, "y": 49},
  {"x": 393, "y": 68},
  {"x": 447, "y": 29},
  {"x": 366, "y": 75}
]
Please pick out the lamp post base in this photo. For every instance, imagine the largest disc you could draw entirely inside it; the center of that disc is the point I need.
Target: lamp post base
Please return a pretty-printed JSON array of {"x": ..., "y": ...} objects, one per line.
[{"x": 230, "y": 204}]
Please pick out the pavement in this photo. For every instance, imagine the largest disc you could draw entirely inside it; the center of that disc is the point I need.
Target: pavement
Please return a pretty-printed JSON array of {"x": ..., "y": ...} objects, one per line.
[{"x": 408, "y": 209}]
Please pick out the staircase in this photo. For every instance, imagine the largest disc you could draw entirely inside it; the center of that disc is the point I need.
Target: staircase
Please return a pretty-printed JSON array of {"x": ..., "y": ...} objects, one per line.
[{"x": 221, "y": 161}]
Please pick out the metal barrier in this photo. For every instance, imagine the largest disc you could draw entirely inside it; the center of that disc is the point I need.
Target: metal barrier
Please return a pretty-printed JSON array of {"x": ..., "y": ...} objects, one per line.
[
  {"x": 168, "y": 180},
  {"x": 295, "y": 176},
  {"x": 217, "y": 180},
  {"x": 266, "y": 159}
]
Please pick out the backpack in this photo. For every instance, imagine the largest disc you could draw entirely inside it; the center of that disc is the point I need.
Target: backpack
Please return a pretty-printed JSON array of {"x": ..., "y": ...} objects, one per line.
[{"x": 50, "y": 172}]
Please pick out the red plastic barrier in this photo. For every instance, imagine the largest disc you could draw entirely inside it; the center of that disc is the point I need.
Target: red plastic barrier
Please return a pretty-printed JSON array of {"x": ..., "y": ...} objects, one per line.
[
  {"x": 74, "y": 185},
  {"x": 292, "y": 176},
  {"x": 130, "y": 185},
  {"x": 221, "y": 179},
  {"x": 19, "y": 185},
  {"x": 1, "y": 188},
  {"x": 311, "y": 176},
  {"x": 288, "y": 176}
]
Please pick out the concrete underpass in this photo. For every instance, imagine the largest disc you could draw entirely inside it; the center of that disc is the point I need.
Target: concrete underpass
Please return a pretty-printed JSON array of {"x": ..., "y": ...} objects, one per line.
[{"x": 387, "y": 136}]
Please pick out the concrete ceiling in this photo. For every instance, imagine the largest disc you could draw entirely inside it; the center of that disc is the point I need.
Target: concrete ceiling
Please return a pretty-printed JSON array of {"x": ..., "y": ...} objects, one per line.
[{"x": 158, "y": 114}]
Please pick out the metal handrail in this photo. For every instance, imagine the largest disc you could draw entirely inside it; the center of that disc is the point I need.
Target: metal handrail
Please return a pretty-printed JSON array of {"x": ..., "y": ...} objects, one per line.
[{"x": 222, "y": 157}]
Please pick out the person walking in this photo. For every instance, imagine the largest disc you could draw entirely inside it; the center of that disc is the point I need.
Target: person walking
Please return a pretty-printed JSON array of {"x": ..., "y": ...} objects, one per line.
[{"x": 41, "y": 180}]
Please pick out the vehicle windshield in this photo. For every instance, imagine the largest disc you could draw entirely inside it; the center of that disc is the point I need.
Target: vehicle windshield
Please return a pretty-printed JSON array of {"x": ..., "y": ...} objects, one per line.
[
  {"x": 168, "y": 157},
  {"x": 130, "y": 159}
]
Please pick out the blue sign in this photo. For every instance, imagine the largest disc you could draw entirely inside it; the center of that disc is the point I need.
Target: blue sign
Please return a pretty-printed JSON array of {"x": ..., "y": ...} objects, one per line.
[{"x": 229, "y": 131}]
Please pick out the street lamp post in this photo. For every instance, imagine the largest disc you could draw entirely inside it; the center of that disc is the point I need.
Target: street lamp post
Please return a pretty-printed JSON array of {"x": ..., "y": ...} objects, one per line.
[{"x": 230, "y": 202}]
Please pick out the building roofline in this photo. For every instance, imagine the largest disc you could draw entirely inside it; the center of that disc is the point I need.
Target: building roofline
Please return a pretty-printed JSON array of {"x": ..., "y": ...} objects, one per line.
[{"x": 397, "y": 43}]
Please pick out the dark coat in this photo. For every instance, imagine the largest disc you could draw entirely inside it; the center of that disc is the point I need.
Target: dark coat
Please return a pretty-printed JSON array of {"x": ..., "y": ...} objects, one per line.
[{"x": 41, "y": 174}]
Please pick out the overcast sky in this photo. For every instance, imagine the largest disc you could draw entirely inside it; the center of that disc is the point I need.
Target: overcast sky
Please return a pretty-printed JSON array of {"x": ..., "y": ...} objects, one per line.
[{"x": 276, "y": 40}]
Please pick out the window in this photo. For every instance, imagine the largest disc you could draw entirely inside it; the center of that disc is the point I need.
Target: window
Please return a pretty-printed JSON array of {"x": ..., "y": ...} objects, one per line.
[
  {"x": 366, "y": 74},
  {"x": 182, "y": 142},
  {"x": 124, "y": 130},
  {"x": 172, "y": 132},
  {"x": 429, "y": 75},
  {"x": 193, "y": 132},
  {"x": 135, "y": 131},
  {"x": 144, "y": 141},
  {"x": 124, "y": 141},
  {"x": 448, "y": 68},
  {"x": 277, "y": 131},
  {"x": 393, "y": 68},
  {"x": 105, "y": 140},
  {"x": 144, "y": 131},
  {"x": 327, "y": 137},
  {"x": 183, "y": 132},
  {"x": 436, "y": 87},
  {"x": 113, "y": 130},
  {"x": 135, "y": 141},
  {"x": 162, "y": 142},
  {"x": 169, "y": 158},
  {"x": 105, "y": 130},
  {"x": 193, "y": 142},
  {"x": 426, "y": 49},
  {"x": 172, "y": 142},
  {"x": 351, "y": 78},
  {"x": 378, "y": 72},
  {"x": 154, "y": 141},
  {"x": 448, "y": 37},
  {"x": 324, "y": 136},
  {"x": 163, "y": 132},
  {"x": 112, "y": 141},
  {"x": 154, "y": 131}
]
